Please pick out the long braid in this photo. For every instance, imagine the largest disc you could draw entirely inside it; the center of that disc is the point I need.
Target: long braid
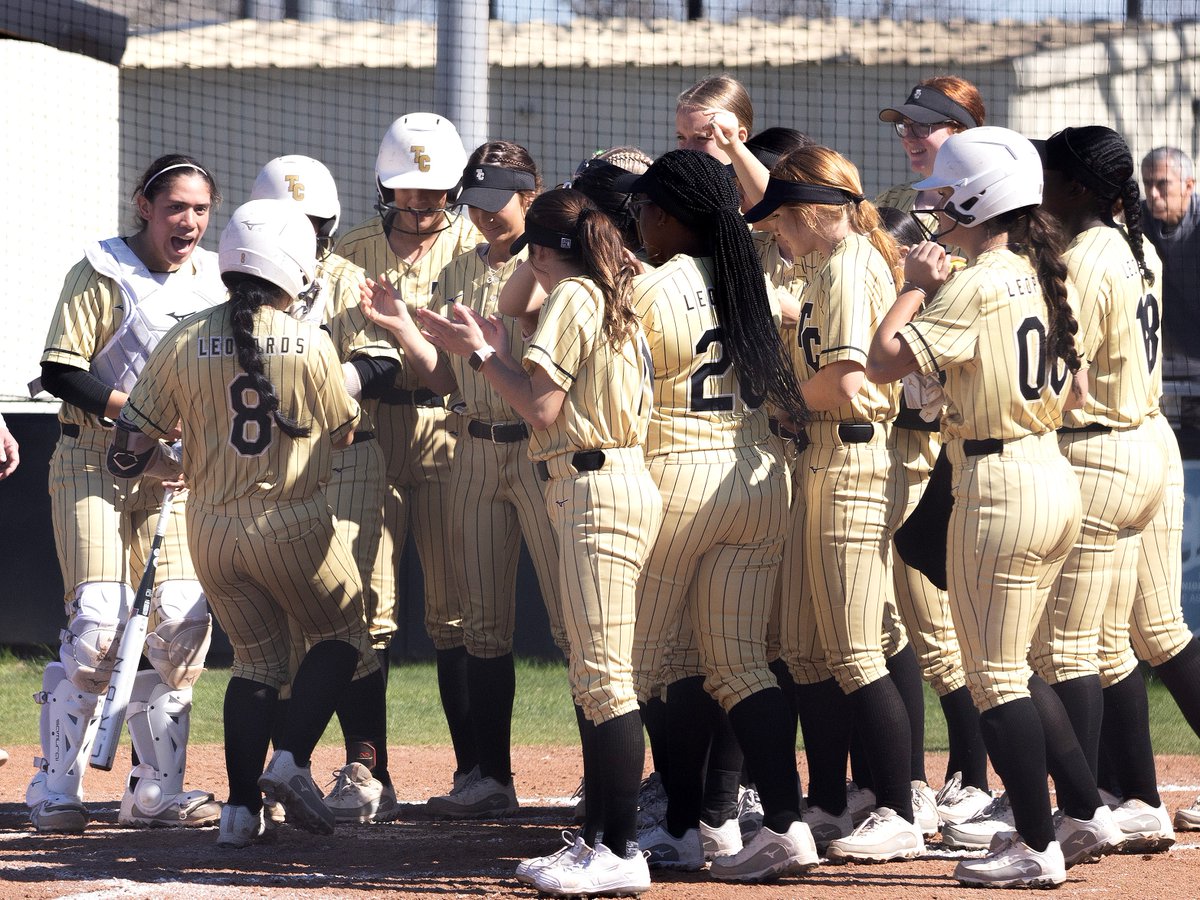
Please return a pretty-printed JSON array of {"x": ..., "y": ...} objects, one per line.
[
  {"x": 1042, "y": 243},
  {"x": 697, "y": 190},
  {"x": 246, "y": 295},
  {"x": 1131, "y": 203}
]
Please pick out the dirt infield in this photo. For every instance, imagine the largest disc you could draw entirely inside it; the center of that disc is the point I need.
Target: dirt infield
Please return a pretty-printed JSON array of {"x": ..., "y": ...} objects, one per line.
[{"x": 417, "y": 857}]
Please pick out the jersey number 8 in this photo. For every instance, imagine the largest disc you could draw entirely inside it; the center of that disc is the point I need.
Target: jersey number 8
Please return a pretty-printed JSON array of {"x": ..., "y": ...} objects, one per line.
[{"x": 250, "y": 433}]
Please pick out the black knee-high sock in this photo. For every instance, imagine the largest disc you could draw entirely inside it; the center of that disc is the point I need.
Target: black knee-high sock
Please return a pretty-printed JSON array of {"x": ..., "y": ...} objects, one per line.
[
  {"x": 1181, "y": 675},
  {"x": 723, "y": 773},
  {"x": 493, "y": 685},
  {"x": 1074, "y": 785},
  {"x": 758, "y": 721},
  {"x": 783, "y": 675},
  {"x": 621, "y": 751},
  {"x": 825, "y": 720},
  {"x": 323, "y": 677},
  {"x": 880, "y": 714},
  {"x": 593, "y": 788},
  {"x": 249, "y": 715},
  {"x": 860, "y": 763},
  {"x": 1013, "y": 734},
  {"x": 1126, "y": 736},
  {"x": 690, "y": 717},
  {"x": 456, "y": 704},
  {"x": 362, "y": 713},
  {"x": 968, "y": 755},
  {"x": 654, "y": 719},
  {"x": 1084, "y": 702},
  {"x": 1109, "y": 778},
  {"x": 906, "y": 676},
  {"x": 281, "y": 714}
]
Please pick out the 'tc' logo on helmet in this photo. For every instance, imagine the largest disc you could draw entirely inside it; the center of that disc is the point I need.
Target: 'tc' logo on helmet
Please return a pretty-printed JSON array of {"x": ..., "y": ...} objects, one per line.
[{"x": 295, "y": 186}]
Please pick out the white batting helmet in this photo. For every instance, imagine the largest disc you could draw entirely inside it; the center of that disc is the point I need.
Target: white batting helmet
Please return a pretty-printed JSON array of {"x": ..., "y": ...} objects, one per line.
[
  {"x": 420, "y": 150},
  {"x": 304, "y": 180},
  {"x": 991, "y": 170},
  {"x": 272, "y": 239}
]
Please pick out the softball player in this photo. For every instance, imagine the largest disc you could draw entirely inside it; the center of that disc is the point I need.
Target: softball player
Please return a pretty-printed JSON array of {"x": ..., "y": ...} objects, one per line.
[
  {"x": 417, "y": 172},
  {"x": 363, "y": 791},
  {"x": 115, "y": 305},
  {"x": 584, "y": 386},
  {"x": 935, "y": 109},
  {"x": 1111, "y": 444},
  {"x": 1001, "y": 333},
  {"x": 848, "y": 501},
  {"x": 494, "y": 489},
  {"x": 260, "y": 418},
  {"x": 694, "y": 114},
  {"x": 709, "y": 449}
]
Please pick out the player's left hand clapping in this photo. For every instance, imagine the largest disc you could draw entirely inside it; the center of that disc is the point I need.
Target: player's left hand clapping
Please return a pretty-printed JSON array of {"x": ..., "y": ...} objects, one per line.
[
  {"x": 382, "y": 306},
  {"x": 465, "y": 333}
]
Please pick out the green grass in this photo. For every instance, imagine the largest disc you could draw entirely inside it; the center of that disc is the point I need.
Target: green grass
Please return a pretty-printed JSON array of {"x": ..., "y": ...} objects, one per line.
[{"x": 542, "y": 714}]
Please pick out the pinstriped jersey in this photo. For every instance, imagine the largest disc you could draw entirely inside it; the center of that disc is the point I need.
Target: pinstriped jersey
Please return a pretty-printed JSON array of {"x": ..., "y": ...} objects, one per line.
[
  {"x": 469, "y": 280},
  {"x": 339, "y": 312},
  {"x": 1119, "y": 319},
  {"x": 90, "y": 311},
  {"x": 366, "y": 245},
  {"x": 791, "y": 275},
  {"x": 232, "y": 448},
  {"x": 609, "y": 391},
  {"x": 986, "y": 330},
  {"x": 698, "y": 403},
  {"x": 839, "y": 312}
]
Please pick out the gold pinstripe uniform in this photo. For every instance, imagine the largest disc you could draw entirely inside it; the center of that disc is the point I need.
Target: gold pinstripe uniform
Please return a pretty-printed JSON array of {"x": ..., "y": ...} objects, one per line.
[
  {"x": 837, "y": 569},
  {"x": 1113, "y": 448},
  {"x": 358, "y": 472},
  {"x": 924, "y": 608},
  {"x": 261, "y": 533},
  {"x": 496, "y": 497},
  {"x": 605, "y": 520},
  {"x": 1016, "y": 511},
  {"x": 417, "y": 439},
  {"x": 724, "y": 498},
  {"x": 103, "y": 525}
]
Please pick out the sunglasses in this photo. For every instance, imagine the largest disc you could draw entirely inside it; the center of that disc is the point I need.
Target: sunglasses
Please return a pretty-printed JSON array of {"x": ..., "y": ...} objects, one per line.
[{"x": 917, "y": 130}]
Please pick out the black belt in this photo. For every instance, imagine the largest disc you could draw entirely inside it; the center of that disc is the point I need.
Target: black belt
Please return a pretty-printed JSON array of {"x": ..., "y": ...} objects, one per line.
[
  {"x": 71, "y": 431},
  {"x": 911, "y": 419},
  {"x": 985, "y": 447},
  {"x": 780, "y": 431},
  {"x": 1095, "y": 428},
  {"x": 419, "y": 397},
  {"x": 583, "y": 461},
  {"x": 361, "y": 437},
  {"x": 498, "y": 433},
  {"x": 855, "y": 432}
]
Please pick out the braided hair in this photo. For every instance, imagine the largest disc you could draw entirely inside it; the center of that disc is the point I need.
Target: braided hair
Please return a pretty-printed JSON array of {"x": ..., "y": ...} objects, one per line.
[
  {"x": 599, "y": 249},
  {"x": 246, "y": 294},
  {"x": 1099, "y": 159},
  {"x": 697, "y": 191}
]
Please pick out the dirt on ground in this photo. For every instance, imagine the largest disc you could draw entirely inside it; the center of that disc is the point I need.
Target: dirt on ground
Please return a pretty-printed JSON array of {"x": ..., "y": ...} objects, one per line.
[{"x": 419, "y": 857}]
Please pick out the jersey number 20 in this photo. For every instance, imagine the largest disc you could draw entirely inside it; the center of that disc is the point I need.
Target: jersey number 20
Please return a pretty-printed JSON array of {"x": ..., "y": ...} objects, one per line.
[
  {"x": 714, "y": 368},
  {"x": 250, "y": 433}
]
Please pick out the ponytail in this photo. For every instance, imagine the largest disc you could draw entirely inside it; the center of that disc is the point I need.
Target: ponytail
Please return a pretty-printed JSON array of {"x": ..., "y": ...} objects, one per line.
[
  {"x": 603, "y": 253},
  {"x": 246, "y": 294}
]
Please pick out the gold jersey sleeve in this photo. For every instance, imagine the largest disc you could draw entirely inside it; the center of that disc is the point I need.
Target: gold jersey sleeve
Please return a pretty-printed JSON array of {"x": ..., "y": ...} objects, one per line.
[
  {"x": 840, "y": 310},
  {"x": 985, "y": 331},
  {"x": 698, "y": 403},
  {"x": 88, "y": 314},
  {"x": 232, "y": 448},
  {"x": 1119, "y": 321},
  {"x": 609, "y": 391},
  {"x": 469, "y": 280},
  {"x": 366, "y": 246}
]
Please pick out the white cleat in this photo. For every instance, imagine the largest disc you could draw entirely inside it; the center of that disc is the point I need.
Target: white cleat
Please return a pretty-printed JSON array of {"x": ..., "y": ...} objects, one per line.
[
  {"x": 292, "y": 785},
  {"x": 976, "y": 833},
  {"x": 239, "y": 827},
  {"x": 1014, "y": 864},
  {"x": 1147, "y": 828},
  {"x": 483, "y": 798},
  {"x": 1187, "y": 818},
  {"x": 860, "y": 801},
  {"x": 826, "y": 827},
  {"x": 357, "y": 795},
  {"x": 769, "y": 855},
  {"x": 956, "y": 802},
  {"x": 573, "y": 848},
  {"x": 665, "y": 851},
  {"x": 1085, "y": 840},
  {"x": 924, "y": 805},
  {"x": 882, "y": 837},
  {"x": 596, "y": 873},
  {"x": 722, "y": 840}
]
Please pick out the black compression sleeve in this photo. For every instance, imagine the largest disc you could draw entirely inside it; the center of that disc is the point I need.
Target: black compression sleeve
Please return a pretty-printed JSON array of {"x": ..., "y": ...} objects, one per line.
[
  {"x": 77, "y": 387},
  {"x": 376, "y": 374}
]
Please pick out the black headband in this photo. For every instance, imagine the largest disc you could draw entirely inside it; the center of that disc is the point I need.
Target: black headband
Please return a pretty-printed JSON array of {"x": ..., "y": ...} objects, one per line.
[
  {"x": 1059, "y": 155},
  {"x": 779, "y": 192},
  {"x": 543, "y": 237}
]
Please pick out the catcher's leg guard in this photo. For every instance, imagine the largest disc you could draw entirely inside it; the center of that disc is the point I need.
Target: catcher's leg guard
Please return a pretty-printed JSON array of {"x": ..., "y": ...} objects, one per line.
[
  {"x": 158, "y": 726},
  {"x": 68, "y": 725}
]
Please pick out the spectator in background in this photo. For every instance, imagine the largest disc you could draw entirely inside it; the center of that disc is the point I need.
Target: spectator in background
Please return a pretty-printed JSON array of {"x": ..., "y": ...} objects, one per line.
[{"x": 1171, "y": 214}]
